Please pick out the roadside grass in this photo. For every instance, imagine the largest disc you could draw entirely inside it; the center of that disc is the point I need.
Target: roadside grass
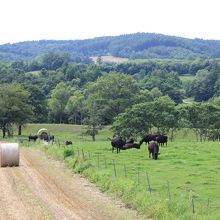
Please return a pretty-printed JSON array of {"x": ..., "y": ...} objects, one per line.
[{"x": 182, "y": 184}]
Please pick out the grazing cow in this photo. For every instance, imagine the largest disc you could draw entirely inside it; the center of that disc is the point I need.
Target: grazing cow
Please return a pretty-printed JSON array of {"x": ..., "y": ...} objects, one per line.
[
  {"x": 118, "y": 143},
  {"x": 162, "y": 139},
  {"x": 68, "y": 143},
  {"x": 32, "y": 137},
  {"x": 148, "y": 137},
  {"x": 153, "y": 149}
]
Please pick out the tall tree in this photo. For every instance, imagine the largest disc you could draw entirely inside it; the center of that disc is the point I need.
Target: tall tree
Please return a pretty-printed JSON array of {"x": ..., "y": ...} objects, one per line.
[
  {"x": 39, "y": 104},
  {"x": 58, "y": 101},
  {"x": 201, "y": 117},
  {"x": 75, "y": 107},
  {"x": 114, "y": 93},
  {"x": 93, "y": 120},
  {"x": 167, "y": 82},
  {"x": 15, "y": 107}
]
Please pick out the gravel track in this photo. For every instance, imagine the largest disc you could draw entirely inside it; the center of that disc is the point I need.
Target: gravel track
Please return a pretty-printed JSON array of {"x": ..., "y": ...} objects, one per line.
[{"x": 41, "y": 188}]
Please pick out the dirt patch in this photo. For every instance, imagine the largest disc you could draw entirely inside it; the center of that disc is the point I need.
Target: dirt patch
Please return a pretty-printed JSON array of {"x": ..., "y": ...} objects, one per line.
[{"x": 41, "y": 188}]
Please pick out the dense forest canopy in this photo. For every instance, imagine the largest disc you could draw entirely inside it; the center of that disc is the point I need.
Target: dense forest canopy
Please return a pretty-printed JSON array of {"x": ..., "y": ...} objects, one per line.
[
  {"x": 132, "y": 46},
  {"x": 58, "y": 83}
]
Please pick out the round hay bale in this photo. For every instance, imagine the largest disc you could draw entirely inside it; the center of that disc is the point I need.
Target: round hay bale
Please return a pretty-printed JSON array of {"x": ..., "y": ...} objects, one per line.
[{"x": 9, "y": 154}]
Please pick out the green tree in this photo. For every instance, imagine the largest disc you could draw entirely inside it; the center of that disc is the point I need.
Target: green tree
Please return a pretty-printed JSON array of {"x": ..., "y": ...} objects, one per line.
[
  {"x": 167, "y": 82},
  {"x": 75, "y": 107},
  {"x": 58, "y": 101},
  {"x": 53, "y": 61},
  {"x": 201, "y": 117},
  {"x": 134, "y": 122},
  {"x": 114, "y": 93},
  {"x": 164, "y": 114},
  {"x": 15, "y": 107},
  {"x": 93, "y": 120},
  {"x": 141, "y": 118},
  {"x": 156, "y": 93},
  {"x": 39, "y": 103}
]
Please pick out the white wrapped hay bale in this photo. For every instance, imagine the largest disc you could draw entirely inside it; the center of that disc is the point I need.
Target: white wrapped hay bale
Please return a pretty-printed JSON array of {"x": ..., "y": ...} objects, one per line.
[{"x": 9, "y": 154}]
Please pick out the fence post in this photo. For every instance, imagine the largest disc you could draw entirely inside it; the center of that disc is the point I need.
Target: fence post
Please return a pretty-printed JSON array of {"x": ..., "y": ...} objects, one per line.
[
  {"x": 148, "y": 181},
  {"x": 114, "y": 167},
  {"x": 58, "y": 142},
  {"x": 168, "y": 190},
  {"x": 193, "y": 204},
  {"x": 83, "y": 154},
  {"x": 105, "y": 164},
  {"x": 78, "y": 151},
  {"x": 98, "y": 161},
  {"x": 125, "y": 171},
  {"x": 208, "y": 205},
  {"x": 138, "y": 176}
]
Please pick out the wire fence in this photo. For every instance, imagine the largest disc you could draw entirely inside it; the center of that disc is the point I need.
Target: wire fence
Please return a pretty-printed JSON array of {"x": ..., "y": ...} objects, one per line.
[{"x": 142, "y": 179}]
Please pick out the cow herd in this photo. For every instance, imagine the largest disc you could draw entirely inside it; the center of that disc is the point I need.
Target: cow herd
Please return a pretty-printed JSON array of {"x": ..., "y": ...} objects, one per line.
[
  {"x": 153, "y": 141},
  {"x": 118, "y": 143},
  {"x": 48, "y": 138}
]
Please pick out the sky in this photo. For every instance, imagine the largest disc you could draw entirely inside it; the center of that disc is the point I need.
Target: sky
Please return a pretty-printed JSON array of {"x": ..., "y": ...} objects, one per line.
[{"x": 27, "y": 20}]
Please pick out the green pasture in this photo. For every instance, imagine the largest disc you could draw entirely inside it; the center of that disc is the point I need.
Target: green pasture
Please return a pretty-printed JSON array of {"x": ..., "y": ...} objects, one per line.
[
  {"x": 186, "y": 78},
  {"x": 184, "y": 183},
  {"x": 34, "y": 73}
]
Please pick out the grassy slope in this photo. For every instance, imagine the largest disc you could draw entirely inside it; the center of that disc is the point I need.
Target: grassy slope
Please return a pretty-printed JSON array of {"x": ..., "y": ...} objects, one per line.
[{"x": 191, "y": 168}]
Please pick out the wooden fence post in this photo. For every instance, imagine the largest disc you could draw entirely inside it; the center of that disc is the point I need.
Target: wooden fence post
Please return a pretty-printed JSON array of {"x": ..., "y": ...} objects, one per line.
[
  {"x": 105, "y": 164},
  {"x": 83, "y": 154},
  {"x": 115, "y": 172},
  {"x": 138, "y": 176},
  {"x": 148, "y": 181},
  {"x": 98, "y": 161},
  {"x": 125, "y": 171},
  {"x": 168, "y": 190},
  {"x": 193, "y": 204},
  {"x": 78, "y": 151}
]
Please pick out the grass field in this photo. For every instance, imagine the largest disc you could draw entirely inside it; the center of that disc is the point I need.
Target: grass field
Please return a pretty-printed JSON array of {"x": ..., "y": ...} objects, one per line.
[
  {"x": 182, "y": 184},
  {"x": 185, "y": 78},
  {"x": 110, "y": 59}
]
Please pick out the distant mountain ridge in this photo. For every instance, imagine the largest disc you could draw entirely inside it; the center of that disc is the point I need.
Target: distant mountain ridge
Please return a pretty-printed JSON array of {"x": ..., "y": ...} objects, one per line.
[{"x": 132, "y": 46}]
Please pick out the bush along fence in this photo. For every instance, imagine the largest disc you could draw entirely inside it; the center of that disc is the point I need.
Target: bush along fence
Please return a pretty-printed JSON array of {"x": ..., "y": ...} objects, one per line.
[{"x": 144, "y": 182}]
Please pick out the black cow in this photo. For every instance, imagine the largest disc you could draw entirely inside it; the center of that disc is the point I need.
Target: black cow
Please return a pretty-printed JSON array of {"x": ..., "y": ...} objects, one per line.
[
  {"x": 130, "y": 145},
  {"x": 49, "y": 138},
  {"x": 118, "y": 143},
  {"x": 68, "y": 143},
  {"x": 32, "y": 137},
  {"x": 148, "y": 137},
  {"x": 162, "y": 139},
  {"x": 153, "y": 149}
]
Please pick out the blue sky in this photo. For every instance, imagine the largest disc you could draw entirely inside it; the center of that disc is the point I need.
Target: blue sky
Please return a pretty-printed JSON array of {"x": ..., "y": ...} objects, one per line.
[{"x": 24, "y": 20}]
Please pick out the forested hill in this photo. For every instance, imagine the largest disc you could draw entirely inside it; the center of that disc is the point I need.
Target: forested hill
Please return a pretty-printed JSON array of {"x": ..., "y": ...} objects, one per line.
[{"x": 139, "y": 45}]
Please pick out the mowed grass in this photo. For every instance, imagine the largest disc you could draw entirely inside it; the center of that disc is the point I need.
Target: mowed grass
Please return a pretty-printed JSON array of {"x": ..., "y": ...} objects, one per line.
[{"x": 185, "y": 178}]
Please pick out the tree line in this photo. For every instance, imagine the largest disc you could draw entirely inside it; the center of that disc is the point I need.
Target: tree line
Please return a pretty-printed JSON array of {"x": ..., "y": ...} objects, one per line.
[
  {"x": 113, "y": 99},
  {"x": 59, "y": 91},
  {"x": 132, "y": 46}
]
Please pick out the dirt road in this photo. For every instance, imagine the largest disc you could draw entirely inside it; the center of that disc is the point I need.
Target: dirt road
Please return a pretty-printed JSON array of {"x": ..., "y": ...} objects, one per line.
[{"x": 41, "y": 188}]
